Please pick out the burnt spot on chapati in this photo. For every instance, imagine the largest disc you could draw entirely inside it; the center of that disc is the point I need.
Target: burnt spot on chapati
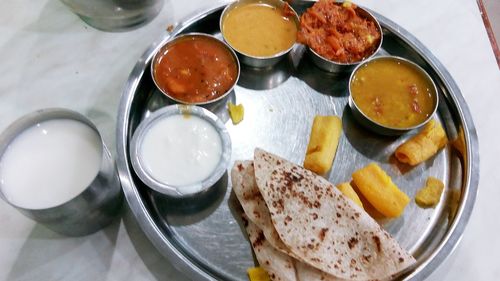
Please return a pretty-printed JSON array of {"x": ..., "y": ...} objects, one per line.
[
  {"x": 376, "y": 239},
  {"x": 316, "y": 204},
  {"x": 259, "y": 240},
  {"x": 240, "y": 167},
  {"x": 352, "y": 242},
  {"x": 322, "y": 233},
  {"x": 256, "y": 214},
  {"x": 278, "y": 205},
  {"x": 251, "y": 196},
  {"x": 287, "y": 220}
]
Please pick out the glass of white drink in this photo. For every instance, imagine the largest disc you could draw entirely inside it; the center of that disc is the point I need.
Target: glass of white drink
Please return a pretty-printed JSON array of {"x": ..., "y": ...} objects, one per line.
[{"x": 55, "y": 169}]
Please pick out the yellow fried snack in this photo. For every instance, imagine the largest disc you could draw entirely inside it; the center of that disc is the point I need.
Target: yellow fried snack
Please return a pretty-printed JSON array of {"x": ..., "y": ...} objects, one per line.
[
  {"x": 348, "y": 191},
  {"x": 325, "y": 134},
  {"x": 257, "y": 274},
  {"x": 422, "y": 146},
  {"x": 378, "y": 188},
  {"x": 429, "y": 195},
  {"x": 236, "y": 112}
]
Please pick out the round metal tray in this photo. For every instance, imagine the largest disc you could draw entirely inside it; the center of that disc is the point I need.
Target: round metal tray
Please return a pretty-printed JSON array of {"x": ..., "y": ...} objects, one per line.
[{"x": 202, "y": 236}]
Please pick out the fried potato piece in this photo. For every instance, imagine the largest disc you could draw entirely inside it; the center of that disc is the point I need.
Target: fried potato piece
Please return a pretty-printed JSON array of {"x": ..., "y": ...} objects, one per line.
[
  {"x": 348, "y": 191},
  {"x": 236, "y": 112},
  {"x": 377, "y": 187},
  {"x": 325, "y": 134},
  {"x": 422, "y": 146},
  {"x": 257, "y": 274},
  {"x": 429, "y": 195}
]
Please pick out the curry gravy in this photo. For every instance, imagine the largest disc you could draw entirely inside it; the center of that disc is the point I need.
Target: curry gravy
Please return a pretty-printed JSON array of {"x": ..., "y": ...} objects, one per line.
[{"x": 259, "y": 30}]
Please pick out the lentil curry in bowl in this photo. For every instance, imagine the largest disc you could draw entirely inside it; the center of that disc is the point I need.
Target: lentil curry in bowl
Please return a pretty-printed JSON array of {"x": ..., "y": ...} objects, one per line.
[{"x": 393, "y": 92}]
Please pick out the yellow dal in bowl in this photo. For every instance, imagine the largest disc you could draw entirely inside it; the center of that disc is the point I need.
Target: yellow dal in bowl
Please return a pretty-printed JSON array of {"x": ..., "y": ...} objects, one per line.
[
  {"x": 393, "y": 93},
  {"x": 259, "y": 30}
]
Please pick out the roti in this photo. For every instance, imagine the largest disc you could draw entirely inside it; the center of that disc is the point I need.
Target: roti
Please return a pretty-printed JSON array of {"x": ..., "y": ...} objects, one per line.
[
  {"x": 270, "y": 249},
  {"x": 258, "y": 220},
  {"x": 279, "y": 266},
  {"x": 253, "y": 204},
  {"x": 321, "y": 226}
]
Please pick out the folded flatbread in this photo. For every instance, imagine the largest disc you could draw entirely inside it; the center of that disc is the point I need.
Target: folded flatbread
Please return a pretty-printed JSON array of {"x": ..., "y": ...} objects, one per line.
[
  {"x": 322, "y": 227},
  {"x": 279, "y": 266},
  {"x": 257, "y": 219},
  {"x": 253, "y": 204}
]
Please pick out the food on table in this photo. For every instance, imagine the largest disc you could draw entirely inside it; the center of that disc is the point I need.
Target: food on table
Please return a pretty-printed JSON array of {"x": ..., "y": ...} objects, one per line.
[
  {"x": 236, "y": 112},
  {"x": 320, "y": 226},
  {"x": 325, "y": 134},
  {"x": 195, "y": 69},
  {"x": 378, "y": 188},
  {"x": 338, "y": 32},
  {"x": 349, "y": 192},
  {"x": 181, "y": 150},
  {"x": 393, "y": 93},
  {"x": 430, "y": 194},
  {"x": 50, "y": 163},
  {"x": 252, "y": 202},
  {"x": 367, "y": 206},
  {"x": 423, "y": 145},
  {"x": 259, "y": 29},
  {"x": 275, "y": 264},
  {"x": 257, "y": 274},
  {"x": 256, "y": 212}
]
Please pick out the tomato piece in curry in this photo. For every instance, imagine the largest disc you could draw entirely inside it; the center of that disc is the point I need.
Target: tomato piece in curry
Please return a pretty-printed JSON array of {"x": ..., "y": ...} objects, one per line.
[{"x": 195, "y": 69}]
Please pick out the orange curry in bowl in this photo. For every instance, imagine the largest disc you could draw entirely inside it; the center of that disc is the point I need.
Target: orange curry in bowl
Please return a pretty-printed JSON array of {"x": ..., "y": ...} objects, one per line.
[{"x": 195, "y": 69}]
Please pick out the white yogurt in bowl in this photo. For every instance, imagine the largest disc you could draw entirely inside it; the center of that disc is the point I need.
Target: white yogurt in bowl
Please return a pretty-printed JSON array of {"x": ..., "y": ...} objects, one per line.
[{"x": 180, "y": 150}]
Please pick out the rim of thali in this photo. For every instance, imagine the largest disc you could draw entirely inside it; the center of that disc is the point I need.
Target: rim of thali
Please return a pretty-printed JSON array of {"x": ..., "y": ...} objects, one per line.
[{"x": 162, "y": 243}]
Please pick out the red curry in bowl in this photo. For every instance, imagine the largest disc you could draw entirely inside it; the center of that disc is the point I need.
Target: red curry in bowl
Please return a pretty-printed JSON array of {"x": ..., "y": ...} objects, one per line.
[{"x": 195, "y": 69}]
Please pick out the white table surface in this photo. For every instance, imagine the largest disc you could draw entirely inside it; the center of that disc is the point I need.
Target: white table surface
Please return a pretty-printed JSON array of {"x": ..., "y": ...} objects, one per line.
[{"x": 50, "y": 58}]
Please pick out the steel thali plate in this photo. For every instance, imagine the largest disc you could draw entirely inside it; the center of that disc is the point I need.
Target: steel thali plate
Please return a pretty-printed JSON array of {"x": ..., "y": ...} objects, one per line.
[{"x": 203, "y": 237}]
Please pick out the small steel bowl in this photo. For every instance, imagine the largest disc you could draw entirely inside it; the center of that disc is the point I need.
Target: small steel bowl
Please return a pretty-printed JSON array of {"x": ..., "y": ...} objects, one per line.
[
  {"x": 250, "y": 60},
  {"x": 173, "y": 190},
  {"x": 336, "y": 67},
  {"x": 376, "y": 127},
  {"x": 175, "y": 40}
]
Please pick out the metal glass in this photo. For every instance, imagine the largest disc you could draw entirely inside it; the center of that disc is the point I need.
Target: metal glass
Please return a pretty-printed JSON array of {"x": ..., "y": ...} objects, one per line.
[
  {"x": 115, "y": 15},
  {"x": 205, "y": 240},
  {"x": 95, "y": 207}
]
